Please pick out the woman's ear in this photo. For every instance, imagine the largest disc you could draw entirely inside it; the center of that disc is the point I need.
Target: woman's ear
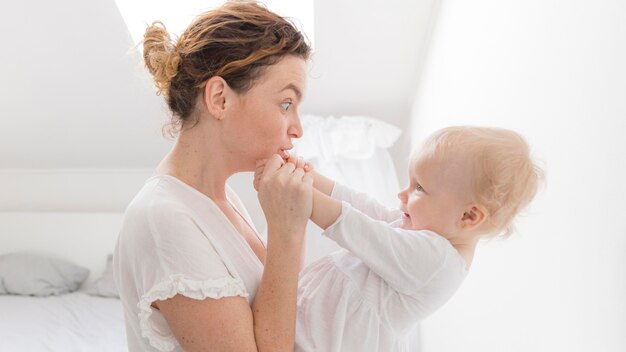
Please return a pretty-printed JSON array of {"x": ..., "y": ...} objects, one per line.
[
  {"x": 473, "y": 217},
  {"x": 215, "y": 92}
]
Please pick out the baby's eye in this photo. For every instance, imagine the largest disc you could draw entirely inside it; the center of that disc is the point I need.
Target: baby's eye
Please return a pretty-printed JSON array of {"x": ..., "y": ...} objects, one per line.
[
  {"x": 419, "y": 188},
  {"x": 286, "y": 105}
]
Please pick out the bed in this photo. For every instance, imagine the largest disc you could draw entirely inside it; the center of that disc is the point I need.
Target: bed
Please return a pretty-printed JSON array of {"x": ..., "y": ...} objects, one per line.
[
  {"x": 69, "y": 322},
  {"x": 84, "y": 316}
]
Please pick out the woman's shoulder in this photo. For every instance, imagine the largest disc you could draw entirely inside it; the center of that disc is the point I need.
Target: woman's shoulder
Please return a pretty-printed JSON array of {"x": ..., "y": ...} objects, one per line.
[
  {"x": 159, "y": 198},
  {"x": 162, "y": 215},
  {"x": 163, "y": 191}
]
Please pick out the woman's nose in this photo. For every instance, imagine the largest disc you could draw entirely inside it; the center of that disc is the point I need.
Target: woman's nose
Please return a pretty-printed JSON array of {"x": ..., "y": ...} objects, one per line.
[{"x": 295, "y": 127}]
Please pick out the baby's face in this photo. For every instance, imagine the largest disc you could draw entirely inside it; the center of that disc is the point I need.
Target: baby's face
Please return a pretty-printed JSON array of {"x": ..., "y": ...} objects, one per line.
[{"x": 433, "y": 199}]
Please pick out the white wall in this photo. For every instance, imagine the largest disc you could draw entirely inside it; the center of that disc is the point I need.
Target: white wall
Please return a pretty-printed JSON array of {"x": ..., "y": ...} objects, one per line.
[
  {"x": 555, "y": 72},
  {"x": 367, "y": 61},
  {"x": 69, "y": 190},
  {"x": 75, "y": 214},
  {"x": 83, "y": 238}
]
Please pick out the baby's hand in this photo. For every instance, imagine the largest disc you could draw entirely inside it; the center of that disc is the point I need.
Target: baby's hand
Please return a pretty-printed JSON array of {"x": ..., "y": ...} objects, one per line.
[{"x": 298, "y": 161}]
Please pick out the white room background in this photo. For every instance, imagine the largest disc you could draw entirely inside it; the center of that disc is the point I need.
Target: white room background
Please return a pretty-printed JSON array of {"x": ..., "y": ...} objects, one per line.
[
  {"x": 81, "y": 132},
  {"x": 554, "y": 71}
]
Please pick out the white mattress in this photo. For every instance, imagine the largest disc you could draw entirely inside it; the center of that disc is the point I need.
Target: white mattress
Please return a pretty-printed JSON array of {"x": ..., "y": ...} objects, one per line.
[{"x": 71, "y": 322}]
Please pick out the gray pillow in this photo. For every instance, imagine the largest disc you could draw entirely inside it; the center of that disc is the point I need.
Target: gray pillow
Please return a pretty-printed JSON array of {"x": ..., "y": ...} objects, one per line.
[
  {"x": 38, "y": 275},
  {"x": 105, "y": 285}
]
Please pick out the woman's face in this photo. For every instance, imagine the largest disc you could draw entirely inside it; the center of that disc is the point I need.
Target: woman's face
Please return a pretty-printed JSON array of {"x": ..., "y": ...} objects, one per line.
[{"x": 264, "y": 120}]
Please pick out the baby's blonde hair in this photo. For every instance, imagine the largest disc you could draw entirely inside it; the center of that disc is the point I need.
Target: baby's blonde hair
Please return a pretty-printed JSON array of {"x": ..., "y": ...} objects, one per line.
[{"x": 504, "y": 178}]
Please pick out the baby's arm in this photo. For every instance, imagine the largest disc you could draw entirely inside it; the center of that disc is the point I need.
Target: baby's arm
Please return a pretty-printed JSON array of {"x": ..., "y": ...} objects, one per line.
[
  {"x": 329, "y": 195},
  {"x": 366, "y": 204},
  {"x": 325, "y": 211},
  {"x": 320, "y": 182},
  {"x": 361, "y": 201},
  {"x": 323, "y": 183},
  {"x": 406, "y": 260}
]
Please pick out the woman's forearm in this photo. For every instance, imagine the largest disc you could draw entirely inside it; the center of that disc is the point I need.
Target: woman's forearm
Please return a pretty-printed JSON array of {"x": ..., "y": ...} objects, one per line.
[{"x": 274, "y": 307}]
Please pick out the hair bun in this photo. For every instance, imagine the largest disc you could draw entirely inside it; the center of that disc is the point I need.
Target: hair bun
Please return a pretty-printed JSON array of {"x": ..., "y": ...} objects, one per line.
[{"x": 160, "y": 56}]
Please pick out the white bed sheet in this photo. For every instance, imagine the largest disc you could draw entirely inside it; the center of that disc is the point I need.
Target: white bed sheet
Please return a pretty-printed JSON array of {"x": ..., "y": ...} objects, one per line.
[{"x": 71, "y": 322}]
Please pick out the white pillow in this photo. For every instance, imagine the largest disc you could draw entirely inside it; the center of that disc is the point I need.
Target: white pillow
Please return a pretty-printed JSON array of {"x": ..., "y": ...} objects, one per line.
[
  {"x": 38, "y": 275},
  {"x": 105, "y": 285}
]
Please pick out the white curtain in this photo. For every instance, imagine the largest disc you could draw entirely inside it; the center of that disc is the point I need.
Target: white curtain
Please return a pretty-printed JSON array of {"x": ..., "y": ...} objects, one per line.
[{"x": 352, "y": 150}]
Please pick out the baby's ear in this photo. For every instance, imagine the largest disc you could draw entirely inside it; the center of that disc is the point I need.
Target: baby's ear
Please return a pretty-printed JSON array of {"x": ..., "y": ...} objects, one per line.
[{"x": 473, "y": 217}]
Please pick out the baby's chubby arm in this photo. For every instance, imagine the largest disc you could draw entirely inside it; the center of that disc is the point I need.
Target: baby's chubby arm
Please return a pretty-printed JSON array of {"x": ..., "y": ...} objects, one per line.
[
  {"x": 325, "y": 210},
  {"x": 361, "y": 201},
  {"x": 322, "y": 183},
  {"x": 326, "y": 186},
  {"x": 404, "y": 259}
]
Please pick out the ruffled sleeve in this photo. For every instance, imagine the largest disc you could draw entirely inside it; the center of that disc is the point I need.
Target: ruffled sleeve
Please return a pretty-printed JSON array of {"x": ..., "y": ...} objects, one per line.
[
  {"x": 152, "y": 326},
  {"x": 181, "y": 257}
]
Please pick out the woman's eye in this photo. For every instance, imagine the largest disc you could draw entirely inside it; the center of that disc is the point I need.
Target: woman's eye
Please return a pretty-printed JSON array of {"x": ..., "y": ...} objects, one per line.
[{"x": 286, "y": 105}]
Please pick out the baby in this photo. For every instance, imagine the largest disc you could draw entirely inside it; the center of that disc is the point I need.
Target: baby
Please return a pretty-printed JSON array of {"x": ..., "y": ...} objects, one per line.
[{"x": 399, "y": 265}]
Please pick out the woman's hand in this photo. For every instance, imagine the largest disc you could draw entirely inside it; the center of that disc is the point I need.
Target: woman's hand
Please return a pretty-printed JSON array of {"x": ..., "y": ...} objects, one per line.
[
  {"x": 298, "y": 161},
  {"x": 286, "y": 196}
]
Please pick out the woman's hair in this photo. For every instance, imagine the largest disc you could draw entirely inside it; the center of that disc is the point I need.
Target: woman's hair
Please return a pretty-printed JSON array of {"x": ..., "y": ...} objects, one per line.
[
  {"x": 503, "y": 176},
  {"x": 235, "y": 41}
]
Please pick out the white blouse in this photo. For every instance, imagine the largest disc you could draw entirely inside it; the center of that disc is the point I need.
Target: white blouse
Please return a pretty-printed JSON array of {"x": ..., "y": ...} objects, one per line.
[
  {"x": 367, "y": 296},
  {"x": 175, "y": 240}
]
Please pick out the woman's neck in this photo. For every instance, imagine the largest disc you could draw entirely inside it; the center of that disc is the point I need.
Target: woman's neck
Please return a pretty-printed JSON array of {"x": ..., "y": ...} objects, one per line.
[{"x": 196, "y": 159}]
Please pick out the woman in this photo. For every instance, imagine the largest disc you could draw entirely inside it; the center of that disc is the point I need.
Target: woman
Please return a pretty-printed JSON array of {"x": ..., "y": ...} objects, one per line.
[{"x": 192, "y": 271}]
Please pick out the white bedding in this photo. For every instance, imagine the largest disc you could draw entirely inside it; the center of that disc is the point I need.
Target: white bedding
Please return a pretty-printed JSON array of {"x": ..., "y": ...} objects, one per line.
[{"x": 71, "y": 322}]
